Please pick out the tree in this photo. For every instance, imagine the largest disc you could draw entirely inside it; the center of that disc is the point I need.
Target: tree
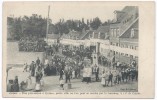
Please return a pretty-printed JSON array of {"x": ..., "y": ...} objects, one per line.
[{"x": 95, "y": 23}]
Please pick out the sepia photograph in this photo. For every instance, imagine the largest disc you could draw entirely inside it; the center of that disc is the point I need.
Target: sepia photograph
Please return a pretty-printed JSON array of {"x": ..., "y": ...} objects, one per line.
[{"x": 88, "y": 47}]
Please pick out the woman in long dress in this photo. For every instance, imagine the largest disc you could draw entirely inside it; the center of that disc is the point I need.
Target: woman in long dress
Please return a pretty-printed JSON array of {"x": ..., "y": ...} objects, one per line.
[
  {"x": 103, "y": 82},
  {"x": 38, "y": 84},
  {"x": 29, "y": 83}
]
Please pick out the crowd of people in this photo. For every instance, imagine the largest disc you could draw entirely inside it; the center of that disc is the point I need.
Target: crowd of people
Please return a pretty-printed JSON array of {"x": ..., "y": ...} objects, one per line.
[
  {"x": 13, "y": 85},
  {"x": 114, "y": 77},
  {"x": 77, "y": 52},
  {"x": 32, "y": 44},
  {"x": 36, "y": 70},
  {"x": 73, "y": 63}
]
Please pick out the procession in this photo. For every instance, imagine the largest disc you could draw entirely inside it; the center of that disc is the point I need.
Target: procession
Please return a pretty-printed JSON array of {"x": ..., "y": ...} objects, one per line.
[
  {"x": 73, "y": 55},
  {"x": 68, "y": 68}
]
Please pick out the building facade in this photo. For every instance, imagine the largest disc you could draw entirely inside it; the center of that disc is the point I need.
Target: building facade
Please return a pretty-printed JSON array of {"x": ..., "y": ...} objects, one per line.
[
  {"x": 117, "y": 41},
  {"x": 124, "y": 35}
]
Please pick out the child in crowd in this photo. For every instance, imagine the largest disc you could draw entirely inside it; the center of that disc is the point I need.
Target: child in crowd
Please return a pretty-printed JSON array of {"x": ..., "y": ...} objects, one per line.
[{"x": 62, "y": 82}]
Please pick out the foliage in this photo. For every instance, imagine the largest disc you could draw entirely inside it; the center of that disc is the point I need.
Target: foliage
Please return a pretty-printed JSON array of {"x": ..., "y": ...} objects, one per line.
[{"x": 35, "y": 25}]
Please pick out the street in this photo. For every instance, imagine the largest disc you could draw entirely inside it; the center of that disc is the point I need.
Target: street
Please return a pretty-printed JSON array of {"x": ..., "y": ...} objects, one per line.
[{"x": 51, "y": 84}]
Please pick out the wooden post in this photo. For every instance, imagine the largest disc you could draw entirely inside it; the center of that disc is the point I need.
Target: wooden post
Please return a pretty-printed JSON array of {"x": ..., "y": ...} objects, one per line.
[{"x": 47, "y": 30}]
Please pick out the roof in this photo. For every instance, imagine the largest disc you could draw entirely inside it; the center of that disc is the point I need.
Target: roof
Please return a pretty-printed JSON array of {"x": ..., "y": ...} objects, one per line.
[
  {"x": 125, "y": 19},
  {"x": 86, "y": 34},
  {"x": 125, "y": 13},
  {"x": 127, "y": 33},
  {"x": 71, "y": 34},
  {"x": 74, "y": 33},
  {"x": 103, "y": 31}
]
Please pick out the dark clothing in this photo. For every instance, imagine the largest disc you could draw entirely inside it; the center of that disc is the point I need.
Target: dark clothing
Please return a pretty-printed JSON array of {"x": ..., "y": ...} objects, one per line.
[
  {"x": 38, "y": 77},
  {"x": 110, "y": 79},
  {"x": 15, "y": 87},
  {"x": 10, "y": 87},
  {"x": 38, "y": 61},
  {"x": 67, "y": 76},
  {"x": 61, "y": 74},
  {"x": 123, "y": 76},
  {"x": 96, "y": 71},
  {"x": 32, "y": 69},
  {"x": 97, "y": 76}
]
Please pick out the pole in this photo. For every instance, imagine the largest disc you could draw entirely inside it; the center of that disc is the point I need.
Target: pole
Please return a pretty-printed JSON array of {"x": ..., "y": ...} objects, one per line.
[{"x": 47, "y": 30}]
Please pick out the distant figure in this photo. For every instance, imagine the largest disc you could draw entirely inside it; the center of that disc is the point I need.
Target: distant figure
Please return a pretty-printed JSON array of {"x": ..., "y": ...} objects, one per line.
[
  {"x": 16, "y": 79},
  {"x": 29, "y": 83},
  {"x": 15, "y": 86},
  {"x": 110, "y": 78},
  {"x": 10, "y": 86},
  {"x": 25, "y": 67},
  {"x": 38, "y": 61},
  {"x": 32, "y": 68},
  {"x": 103, "y": 82},
  {"x": 73, "y": 74},
  {"x": 38, "y": 84},
  {"x": 62, "y": 82},
  {"x": 42, "y": 83},
  {"x": 96, "y": 73}
]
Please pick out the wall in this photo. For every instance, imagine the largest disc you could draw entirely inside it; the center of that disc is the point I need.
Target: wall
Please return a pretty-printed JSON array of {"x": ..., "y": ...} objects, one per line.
[{"x": 16, "y": 57}]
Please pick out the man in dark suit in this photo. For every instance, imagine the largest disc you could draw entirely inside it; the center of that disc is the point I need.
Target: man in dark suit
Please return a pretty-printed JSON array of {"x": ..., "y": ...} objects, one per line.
[
  {"x": 110, "y": 78},
  {"x": 38, "y": 61},
  {"x": 97, "y": 73}
]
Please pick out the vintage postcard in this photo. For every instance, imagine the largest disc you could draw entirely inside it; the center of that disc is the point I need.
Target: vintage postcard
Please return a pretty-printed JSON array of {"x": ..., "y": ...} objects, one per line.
[{"x": 79, "y": 49}]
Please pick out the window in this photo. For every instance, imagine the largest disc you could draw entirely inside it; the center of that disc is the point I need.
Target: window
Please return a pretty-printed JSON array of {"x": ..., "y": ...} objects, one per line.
[
  {"x": 126, "y": 46},
  {"x": 117, "y": 44},
  {"x": 112, "y": 32},
  {"x": 126, "y": 55},
  {"x": 136, "y": 48},
  {"x": 111, "y": 43},
  {"x": 93, "y": 34},
  {"x": 136, "y": 57},
  {"x": 101, "y": 49},
  {"x": 115, "y": 32},
  {"x": 89, "y": 36},
  {"x": 130, "y": 47},
  {"x": 132, "y": 33},
  {"x": 99, "y": 35},
  {"x": 118, "y": 32},
  {"x": 122, "y": 45}
]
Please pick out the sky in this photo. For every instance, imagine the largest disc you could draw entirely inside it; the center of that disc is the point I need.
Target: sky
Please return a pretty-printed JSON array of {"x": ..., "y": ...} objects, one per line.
[{"x": 66, "y": 10}]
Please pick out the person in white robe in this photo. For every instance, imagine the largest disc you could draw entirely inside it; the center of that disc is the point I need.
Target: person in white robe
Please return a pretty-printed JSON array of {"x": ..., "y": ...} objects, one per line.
[{"x": 29, "y": 83}]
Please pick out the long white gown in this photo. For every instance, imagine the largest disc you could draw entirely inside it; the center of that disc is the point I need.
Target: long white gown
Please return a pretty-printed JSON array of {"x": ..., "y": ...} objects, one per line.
[
  {"x": 29, "y": 84},
  {"x": 103, "y": 79}
]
